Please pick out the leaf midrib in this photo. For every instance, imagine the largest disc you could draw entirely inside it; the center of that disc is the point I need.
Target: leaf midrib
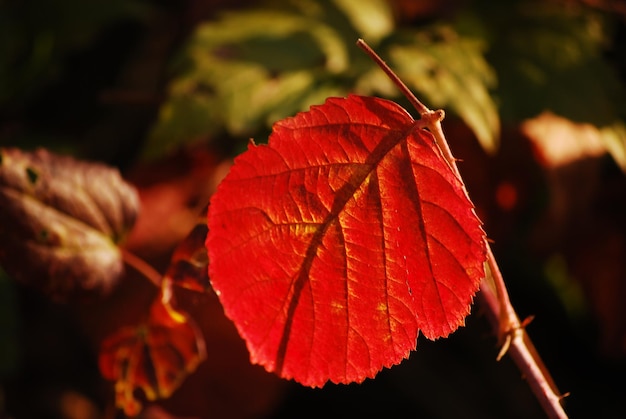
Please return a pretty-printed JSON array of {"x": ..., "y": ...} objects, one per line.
[{"x": 385, "y": 146}]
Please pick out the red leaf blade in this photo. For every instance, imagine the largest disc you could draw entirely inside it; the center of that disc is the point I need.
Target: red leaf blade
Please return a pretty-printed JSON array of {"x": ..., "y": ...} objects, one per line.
[
  {"x": 188, "y": 265},
  {"x": 155, "y": 356},
  {"x": 333, "y": 246}
]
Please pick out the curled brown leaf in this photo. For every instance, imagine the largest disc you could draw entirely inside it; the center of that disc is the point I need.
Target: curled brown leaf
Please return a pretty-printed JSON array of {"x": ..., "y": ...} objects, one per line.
[{"x": 62, "y": 220}]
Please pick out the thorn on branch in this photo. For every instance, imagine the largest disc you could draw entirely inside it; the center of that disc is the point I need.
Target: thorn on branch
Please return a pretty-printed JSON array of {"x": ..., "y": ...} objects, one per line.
[
  {"x": 527, "y": 321},
  {"x": 510, "y": 333},
  {"x": 505, "y": 347}
]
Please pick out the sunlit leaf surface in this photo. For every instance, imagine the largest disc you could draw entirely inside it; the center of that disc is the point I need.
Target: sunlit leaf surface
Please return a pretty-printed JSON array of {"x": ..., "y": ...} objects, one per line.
[{"x": 335, "y": 245}]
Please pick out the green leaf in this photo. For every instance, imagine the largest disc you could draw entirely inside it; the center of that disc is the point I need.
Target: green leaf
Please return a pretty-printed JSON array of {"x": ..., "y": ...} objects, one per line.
[
  {"x": 244, "y": 71},
  {"x": 373, "y": 19},
  {"x": 451, "y": 73},
  {"x": 551, "y": 58},
  {"x": 192, "y": 116},
  {"x": 251, "y": 68}
]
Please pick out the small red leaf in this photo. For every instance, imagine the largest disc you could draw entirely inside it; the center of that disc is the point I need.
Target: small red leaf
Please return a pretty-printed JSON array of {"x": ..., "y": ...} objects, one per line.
[
  {"x": 335, "y": 244},
  {"x": 188, "y": 265},
  {"x": 154, "y": 356}
]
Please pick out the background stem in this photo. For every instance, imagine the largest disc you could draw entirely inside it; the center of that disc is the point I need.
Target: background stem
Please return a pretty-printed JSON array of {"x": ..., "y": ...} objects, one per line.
[{"x": 142, "y": 267}]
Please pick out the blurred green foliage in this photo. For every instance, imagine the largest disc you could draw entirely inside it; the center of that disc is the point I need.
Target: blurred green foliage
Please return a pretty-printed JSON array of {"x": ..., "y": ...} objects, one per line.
[
  {"x": 250, "y": 68},
  {"x": 549, "y": 57},
  {"x": 242, "y": 72}
]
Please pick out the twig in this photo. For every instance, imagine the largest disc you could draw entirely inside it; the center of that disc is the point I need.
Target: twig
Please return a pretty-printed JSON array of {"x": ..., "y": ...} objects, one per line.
[
  {"x": 432, "y": 119},
  {"x": 142, "y": 267},
  {"x": 511, "y": 333}
]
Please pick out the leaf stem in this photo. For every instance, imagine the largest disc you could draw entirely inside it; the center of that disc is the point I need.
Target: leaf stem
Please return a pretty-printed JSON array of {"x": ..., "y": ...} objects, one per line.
[
  {"x": 419, "y": 106},
  {"x": 141, "y": 266},
  {"x": 505, "y": 322},
  {"x": 430, "y": 118}
]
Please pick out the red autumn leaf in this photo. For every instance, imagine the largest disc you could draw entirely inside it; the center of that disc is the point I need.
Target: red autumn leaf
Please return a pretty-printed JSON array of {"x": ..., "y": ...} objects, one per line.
[
  {"x": 154, "y": 356},
  {"x": 334, "y": 245},
  {"x": 188, "y": 265}
]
